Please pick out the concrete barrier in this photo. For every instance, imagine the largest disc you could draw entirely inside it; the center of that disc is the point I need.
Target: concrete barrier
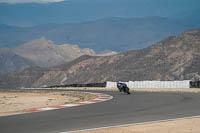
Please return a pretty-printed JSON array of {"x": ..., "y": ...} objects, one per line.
[{"x": 152, "y": 84}]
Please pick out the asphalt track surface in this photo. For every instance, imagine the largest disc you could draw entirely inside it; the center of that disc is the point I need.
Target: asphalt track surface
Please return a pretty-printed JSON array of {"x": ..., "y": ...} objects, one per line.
[{"x": 122, "y": 109}]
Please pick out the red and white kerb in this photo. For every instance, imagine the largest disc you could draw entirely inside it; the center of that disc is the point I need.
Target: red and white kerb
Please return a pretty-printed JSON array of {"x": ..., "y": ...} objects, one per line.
[{"x": 100, "y": 98}]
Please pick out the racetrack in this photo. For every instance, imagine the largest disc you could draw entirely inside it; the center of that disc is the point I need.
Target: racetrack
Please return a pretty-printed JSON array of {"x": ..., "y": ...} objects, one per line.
[{"x": 122, "y": 109}]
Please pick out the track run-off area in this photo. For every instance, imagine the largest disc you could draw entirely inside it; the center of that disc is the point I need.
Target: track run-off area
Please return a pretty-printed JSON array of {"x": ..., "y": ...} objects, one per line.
[{"x": 123, "y": 109}]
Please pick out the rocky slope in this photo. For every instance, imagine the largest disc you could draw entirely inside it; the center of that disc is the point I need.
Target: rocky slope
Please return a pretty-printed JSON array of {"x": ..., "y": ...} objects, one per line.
[
  {"x": 12, "y": 62},
  {"x": 45, "y": 53},
  {"x": 174, "y": 58}
]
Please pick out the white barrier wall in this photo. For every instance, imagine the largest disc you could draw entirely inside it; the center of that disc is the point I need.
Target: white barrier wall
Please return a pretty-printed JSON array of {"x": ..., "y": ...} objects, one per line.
[
  {"x": 152, "y": 84},
  {"x": 110, "y": 84}
]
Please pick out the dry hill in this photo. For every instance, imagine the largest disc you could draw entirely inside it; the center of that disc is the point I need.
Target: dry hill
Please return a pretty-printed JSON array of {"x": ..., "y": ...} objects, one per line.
[
  {"x": 174, "y": 58},
  {"x": 45, "y": 53}
]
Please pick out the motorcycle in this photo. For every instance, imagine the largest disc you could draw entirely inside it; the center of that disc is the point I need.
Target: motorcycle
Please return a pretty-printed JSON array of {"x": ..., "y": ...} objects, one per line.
[{"x": 123, "y": 88}]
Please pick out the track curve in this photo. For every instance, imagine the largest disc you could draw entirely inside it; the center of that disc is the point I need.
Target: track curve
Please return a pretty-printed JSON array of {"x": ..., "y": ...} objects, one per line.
[{"x": 122, "y": 109}]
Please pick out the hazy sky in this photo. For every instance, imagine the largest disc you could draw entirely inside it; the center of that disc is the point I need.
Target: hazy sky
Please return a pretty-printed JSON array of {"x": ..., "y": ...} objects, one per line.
[
  {"x": 29, "y": 1},
  {"x": 34, "y": 12}
]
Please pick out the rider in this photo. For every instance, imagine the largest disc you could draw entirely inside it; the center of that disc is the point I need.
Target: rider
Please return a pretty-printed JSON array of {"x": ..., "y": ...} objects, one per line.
[{"x": 121, "y": 85}]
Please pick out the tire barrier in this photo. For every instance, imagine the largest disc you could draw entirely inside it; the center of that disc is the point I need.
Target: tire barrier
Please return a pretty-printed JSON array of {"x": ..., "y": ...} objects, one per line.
[
  {"x": 194, "y": 84},
  {"x": 80, "y": 85}
]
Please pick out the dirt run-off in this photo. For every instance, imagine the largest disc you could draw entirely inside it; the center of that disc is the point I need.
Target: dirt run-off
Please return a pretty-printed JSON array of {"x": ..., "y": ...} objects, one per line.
[
  {"x": 20, "y": 101},
  {"x": 187, "y": 125}
]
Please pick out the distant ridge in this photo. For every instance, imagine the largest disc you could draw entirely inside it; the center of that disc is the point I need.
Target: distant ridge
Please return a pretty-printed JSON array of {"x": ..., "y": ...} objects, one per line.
[
  {"x": 174, "y": 58},
  {"x": 12, "y": 62},
  {"x": 117, "y": 34},
  {"x": 45, "y": 53}
]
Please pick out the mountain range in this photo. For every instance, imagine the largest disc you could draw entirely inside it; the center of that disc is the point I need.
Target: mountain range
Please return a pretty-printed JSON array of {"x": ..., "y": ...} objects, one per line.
[
  {"x": 117, "y": 34},
  {"x": 43, "y": 53},
  {"x": 10, "y": 61},
  {"x": 73, "y": 11},
  {"x": 174, "y": 58}
]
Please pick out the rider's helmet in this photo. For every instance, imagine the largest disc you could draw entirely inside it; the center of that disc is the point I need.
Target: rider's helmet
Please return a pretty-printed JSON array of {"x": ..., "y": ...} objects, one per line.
[{"x": 118, "y": 82}]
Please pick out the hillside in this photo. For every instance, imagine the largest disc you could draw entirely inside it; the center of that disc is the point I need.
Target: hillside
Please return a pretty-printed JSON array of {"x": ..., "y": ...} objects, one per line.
[
  {"x": 12, "y": 62},
  {"x": 45, "y": 53},
  {"x": 174, "y": 58}
]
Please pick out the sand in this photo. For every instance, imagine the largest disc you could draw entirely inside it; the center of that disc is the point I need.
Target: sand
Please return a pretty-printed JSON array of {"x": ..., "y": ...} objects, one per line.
[
  {"x": 15, "y": 102},
  {"x": 187, "y": 125}
]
